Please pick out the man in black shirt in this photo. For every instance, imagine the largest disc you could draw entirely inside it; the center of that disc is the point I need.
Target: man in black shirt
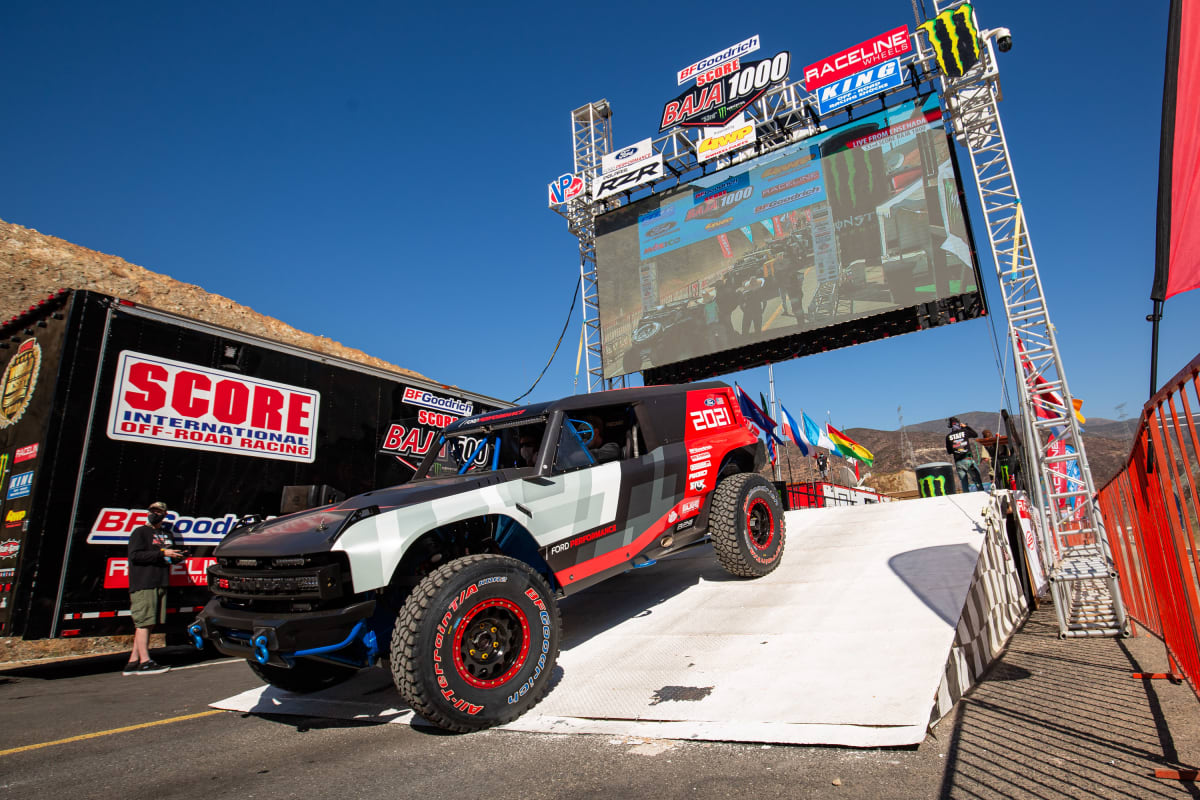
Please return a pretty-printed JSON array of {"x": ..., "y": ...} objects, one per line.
[
  {"x": 958, "y": 444},
  {"x": 151, "y": 553}
]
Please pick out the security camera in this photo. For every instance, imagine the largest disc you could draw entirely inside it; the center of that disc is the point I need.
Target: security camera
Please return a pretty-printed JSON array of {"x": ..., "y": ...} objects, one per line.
[{"x": 1003, "y": 39}]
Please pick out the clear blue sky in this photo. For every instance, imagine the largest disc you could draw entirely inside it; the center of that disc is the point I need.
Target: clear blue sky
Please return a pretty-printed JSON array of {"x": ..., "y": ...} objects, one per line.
[{"x": 376, "y": 173}]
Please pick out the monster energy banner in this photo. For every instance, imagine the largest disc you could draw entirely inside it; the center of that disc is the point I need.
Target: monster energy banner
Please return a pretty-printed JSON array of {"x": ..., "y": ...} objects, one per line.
[
  {"x": 954, "y": 38},
  {"x": 935, "y": 479}
]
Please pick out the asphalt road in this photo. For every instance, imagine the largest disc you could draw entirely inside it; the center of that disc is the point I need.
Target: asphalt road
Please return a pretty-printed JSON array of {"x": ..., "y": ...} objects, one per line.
[{"x": 1053, "y": 719}]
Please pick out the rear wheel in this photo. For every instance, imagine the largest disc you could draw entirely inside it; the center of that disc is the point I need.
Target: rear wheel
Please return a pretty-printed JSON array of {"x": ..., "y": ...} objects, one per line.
[
  {"x": 746, "y": 525},
  {"x": 476, "y": 642},
  {"x": 306, "y": 676}
]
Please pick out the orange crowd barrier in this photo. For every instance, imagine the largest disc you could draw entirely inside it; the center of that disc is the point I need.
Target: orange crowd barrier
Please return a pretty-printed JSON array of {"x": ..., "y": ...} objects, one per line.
[{"x": 1152, "y": 519}]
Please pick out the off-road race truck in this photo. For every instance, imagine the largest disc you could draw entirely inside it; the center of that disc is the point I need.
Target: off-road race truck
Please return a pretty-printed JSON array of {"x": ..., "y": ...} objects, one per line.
[{"x": 453, "y": 578}]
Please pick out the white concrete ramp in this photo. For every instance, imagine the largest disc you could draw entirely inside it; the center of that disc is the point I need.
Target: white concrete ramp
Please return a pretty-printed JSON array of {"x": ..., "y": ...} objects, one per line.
[{"x": 845, "y": 643}]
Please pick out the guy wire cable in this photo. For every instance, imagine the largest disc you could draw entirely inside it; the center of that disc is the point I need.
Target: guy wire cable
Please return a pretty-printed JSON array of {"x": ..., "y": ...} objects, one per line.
[{"x": 557, "y": 344}]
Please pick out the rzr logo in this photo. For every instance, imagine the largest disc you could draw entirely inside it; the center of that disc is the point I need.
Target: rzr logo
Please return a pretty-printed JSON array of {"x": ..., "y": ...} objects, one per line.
[
  {"x": 567, "y": 187},
  {"x": 629, "y": 180}
]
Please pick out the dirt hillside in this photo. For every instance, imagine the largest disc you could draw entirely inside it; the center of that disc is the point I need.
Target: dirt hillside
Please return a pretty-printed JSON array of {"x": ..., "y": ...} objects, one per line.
[{"x": 33, "y": 266}]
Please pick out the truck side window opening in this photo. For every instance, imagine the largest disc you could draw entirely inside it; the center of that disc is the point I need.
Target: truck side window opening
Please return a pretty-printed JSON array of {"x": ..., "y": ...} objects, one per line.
[{"x": 572, "y": 453}]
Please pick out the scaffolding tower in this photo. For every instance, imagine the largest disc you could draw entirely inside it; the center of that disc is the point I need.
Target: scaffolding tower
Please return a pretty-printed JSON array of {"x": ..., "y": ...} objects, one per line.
[{"x": 1083, "y": 578}]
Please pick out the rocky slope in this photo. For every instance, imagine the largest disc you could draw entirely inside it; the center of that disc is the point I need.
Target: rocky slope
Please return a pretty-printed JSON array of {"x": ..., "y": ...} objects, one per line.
[{"x": 33, "y": 266}]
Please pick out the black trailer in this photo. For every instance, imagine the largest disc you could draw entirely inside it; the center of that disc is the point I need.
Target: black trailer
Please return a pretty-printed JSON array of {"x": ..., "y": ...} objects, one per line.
[{"x": 108, "y": 406}]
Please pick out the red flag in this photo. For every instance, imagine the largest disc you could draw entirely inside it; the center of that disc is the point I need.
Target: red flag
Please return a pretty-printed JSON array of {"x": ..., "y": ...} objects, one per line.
[{"x": 1177, "y": 256}]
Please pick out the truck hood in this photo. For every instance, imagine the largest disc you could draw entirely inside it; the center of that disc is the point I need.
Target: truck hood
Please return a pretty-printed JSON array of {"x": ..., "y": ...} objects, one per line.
[{"x": 315, "y": 530}]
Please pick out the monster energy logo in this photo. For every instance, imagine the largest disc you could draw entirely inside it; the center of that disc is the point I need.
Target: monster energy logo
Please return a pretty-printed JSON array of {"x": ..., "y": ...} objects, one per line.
[
  {"x": 1005, "y": 474},
  {"x": 933, "y": 485},
  {"x": 854, "y": 176},
  {"x": 955, "y": 40}
]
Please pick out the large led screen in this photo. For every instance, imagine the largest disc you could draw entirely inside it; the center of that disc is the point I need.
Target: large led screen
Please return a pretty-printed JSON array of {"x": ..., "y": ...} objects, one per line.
[{"x": 854, "y": 222}]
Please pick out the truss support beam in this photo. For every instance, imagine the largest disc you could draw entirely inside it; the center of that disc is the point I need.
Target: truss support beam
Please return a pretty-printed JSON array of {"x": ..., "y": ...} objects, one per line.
[{"x": 1083, "y": 578}]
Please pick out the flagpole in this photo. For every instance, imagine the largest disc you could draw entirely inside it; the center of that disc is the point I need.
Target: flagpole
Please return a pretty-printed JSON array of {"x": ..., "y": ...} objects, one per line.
[{"x": 775, "y": 416}]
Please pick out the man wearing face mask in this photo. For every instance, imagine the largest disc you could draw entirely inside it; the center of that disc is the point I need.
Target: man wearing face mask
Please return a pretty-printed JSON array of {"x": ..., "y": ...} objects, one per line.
[{"x": 151, "y": 553}]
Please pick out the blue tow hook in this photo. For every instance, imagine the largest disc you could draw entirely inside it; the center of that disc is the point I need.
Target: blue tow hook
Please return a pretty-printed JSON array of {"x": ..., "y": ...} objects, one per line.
[
  {"x": 194, "y": 632},
  {"x": 372, "y": 645},
  {"x": 260, "y": 648}
]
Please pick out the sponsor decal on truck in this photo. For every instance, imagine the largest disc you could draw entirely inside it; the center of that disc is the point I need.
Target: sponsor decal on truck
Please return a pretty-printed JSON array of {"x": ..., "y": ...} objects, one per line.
[{"x": 163, "y": 402}]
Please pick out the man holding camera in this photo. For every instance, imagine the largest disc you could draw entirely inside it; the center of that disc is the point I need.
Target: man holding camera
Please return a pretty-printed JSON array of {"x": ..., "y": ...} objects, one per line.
[{"x": 152, "y": 551}]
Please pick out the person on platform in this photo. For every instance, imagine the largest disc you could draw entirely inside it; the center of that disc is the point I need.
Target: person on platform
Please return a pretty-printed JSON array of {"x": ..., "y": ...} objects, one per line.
[
  {"x": 958, "y": 444},
  {"x": 753, "y": 306},
  {"x": 822, "y": 464},
  {"x": 152, "y": 551},
  {"x": 727, "y": 301}
]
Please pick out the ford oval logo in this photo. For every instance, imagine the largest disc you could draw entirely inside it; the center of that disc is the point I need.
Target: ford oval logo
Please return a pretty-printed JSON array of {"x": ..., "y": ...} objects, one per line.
[{"x": 626, "y": 153}]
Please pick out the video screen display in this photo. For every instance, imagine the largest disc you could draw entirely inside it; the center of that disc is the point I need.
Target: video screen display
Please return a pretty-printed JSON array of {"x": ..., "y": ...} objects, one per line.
[{"x": 858, "y": 221}]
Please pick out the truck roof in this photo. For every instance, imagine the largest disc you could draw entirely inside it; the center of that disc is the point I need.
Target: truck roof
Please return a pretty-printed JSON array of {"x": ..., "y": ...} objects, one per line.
[{"x": 632, "y": 396}]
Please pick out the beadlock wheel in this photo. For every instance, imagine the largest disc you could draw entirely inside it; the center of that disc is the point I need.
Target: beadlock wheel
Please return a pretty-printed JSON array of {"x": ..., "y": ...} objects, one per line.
[
  {"x": 747, "y": 526},
  {"x": 476, "y": 643}
]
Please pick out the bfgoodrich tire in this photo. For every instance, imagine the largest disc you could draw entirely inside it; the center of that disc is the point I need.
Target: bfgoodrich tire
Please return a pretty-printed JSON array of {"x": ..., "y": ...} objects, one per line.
[
  {"x": 746, "y": 525},
  {"x": 475, "y": 643},
  {"x": 306, "y": 676}
]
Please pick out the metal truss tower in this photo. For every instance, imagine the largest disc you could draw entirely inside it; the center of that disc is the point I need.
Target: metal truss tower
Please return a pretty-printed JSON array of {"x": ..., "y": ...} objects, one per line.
[
  {"x": 591, "y": 139},
  {"x": 1082, "y": 575}
]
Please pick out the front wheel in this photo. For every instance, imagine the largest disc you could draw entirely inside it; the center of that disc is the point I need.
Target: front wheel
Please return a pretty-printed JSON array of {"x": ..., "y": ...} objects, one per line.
[
  {"x": 746, "y": 525},
  {"x": 476, "y": 642},
  {"x": 305, "y": 676}
]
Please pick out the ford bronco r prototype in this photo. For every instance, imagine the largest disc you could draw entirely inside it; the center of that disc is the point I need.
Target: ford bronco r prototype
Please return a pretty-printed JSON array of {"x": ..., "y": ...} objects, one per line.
[{"x": 453, "y": 578}]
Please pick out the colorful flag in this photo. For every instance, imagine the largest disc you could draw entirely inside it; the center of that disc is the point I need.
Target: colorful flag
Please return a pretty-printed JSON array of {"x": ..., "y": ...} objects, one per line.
[
  {"x": 755, "y": 414},
  {"x": 850, "y": 448},
  {"x": 815, "y": 435},
  {"x": 794, "y": 431}
]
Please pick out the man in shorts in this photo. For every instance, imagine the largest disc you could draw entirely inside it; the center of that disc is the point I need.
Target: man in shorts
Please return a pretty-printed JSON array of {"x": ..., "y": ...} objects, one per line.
[{"x": 152, "y": 551}]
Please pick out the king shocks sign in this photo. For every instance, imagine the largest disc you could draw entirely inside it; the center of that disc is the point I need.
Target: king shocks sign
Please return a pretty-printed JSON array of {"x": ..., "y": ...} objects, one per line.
[{"x": 174, "y": 404}]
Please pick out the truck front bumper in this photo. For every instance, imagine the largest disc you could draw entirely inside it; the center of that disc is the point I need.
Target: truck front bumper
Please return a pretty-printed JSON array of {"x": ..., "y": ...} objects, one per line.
[{"x": 317, "y": 634}]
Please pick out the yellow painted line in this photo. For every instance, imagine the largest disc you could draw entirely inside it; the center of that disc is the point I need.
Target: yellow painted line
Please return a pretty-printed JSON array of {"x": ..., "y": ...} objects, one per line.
[{"x": 84, "y": 736}]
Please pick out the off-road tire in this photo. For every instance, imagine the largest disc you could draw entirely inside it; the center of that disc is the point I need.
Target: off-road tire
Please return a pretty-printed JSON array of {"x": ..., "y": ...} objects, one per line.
[
  {"x": 746, "y": 525},
  {"x": 306, "y": 676},
  {"x": 444, "y": 637}
]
